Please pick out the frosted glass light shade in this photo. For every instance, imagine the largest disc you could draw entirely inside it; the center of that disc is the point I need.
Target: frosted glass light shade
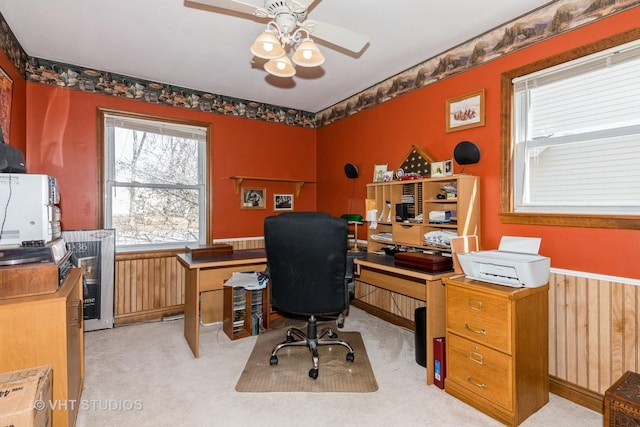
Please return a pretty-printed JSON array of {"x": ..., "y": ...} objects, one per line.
[
  {"x": 267, "y": 46},
  {"x": 308, "y": 54},
  {"x": 280, "y": 67}
]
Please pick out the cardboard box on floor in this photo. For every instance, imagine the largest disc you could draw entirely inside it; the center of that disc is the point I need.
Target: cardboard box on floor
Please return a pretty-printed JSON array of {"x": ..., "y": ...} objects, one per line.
[{"x": 25, "y": 397}]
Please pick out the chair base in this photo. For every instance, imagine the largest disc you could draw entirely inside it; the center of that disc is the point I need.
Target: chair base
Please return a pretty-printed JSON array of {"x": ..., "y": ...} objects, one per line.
[{"x": 295, "y": 337}]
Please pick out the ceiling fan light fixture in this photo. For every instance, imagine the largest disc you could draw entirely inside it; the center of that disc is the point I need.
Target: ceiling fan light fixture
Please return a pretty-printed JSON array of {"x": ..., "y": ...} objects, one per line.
[
  {"x": 280, "y": 67},
  {"x": 267, "y": 46},
  {"x": 308, "y": 54}
]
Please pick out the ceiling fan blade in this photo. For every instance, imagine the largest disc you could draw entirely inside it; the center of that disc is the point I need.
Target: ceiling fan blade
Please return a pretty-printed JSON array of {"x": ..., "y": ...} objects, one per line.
[
  {"x": 236, "y": 6},
  {"x": 339, "y": 36}
]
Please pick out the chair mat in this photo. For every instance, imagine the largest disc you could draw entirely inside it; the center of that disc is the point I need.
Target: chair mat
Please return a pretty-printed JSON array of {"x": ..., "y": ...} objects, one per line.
[{"x": 291, "y": 374}]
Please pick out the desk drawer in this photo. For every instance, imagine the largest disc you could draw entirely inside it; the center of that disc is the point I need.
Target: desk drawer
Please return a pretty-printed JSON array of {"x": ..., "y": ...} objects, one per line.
[
  {"x": 410, "y": 234},
  {"x": 214, "y": 278},
  {"x": 480, "y": 369},
  {"x": 479, "y": 317}
]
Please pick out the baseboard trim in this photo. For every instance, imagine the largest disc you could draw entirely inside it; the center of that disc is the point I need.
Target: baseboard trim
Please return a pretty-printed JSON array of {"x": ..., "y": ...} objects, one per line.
[
  {"x": 147, "y": 316},
  {"x": 579, "y": 395},
  {"x": 383, "y": 314}
]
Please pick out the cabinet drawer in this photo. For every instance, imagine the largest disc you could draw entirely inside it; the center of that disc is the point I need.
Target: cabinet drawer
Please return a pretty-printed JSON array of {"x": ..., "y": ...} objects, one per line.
[
  {"x": 410, "y": 234},
  {"x": 480, "y": 369},
  {"x": 479, "y": 317}
]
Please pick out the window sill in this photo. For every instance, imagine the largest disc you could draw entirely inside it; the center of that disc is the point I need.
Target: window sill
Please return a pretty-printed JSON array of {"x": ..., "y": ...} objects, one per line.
[{"x": 571, "y": 220}]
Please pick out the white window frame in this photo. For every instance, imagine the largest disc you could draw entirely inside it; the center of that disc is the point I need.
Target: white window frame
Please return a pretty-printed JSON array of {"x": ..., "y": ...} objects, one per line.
[
  {"x": 108, "y": 182},
  {"x": 518, "y": 138}
]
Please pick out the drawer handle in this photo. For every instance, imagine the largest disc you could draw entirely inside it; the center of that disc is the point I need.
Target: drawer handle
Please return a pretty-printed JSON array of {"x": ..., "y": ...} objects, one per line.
[
  {"x": 476, "y": 357},
  {"x": 474, "y": 304},
  {"x": 476, "y": 383},
  {"x": 475, "y": 331}
]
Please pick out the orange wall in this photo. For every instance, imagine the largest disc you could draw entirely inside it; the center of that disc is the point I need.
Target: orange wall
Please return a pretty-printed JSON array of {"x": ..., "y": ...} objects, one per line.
[
  {"x": 386, "y": 133},
  {"x": 61, "y": 140}
]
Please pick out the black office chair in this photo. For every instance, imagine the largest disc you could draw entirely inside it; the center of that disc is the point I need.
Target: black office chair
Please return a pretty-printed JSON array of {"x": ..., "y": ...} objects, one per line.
[{"x": 307, "y": 259}]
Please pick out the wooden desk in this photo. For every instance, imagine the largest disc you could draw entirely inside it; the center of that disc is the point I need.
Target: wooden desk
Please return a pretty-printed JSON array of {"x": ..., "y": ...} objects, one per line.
[
  {"x": 201, "y": 276},
  {"x": 380, "y": 271}
]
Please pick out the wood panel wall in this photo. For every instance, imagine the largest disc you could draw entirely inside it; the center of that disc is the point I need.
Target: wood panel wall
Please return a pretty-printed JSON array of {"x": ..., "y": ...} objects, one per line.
[
  {"x": 150, "y": 285},
  {"x": 593, "y": 334}
]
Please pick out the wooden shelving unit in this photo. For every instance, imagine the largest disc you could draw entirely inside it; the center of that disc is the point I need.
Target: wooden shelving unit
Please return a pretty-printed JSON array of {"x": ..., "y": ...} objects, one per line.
[
  {"x": 422, "y": 196},
  {"x": 245, "y": 311},
  {"x": 299, "y": 182}
]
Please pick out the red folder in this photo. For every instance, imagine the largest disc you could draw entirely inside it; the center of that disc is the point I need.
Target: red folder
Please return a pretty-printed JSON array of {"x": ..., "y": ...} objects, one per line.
[{"x": 439, "y": 364}]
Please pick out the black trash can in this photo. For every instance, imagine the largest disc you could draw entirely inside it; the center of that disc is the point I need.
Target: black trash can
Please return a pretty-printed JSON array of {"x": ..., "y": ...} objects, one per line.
[{"x": 421, "y": 336}]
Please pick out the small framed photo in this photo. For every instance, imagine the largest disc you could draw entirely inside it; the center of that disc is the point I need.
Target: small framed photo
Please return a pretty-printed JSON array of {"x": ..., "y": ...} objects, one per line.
[
  {"x": 378, "y": 172},
  {"x": 388, "y": 176},
  {"x": 283, "y": 202},
  {"x": 466, "y": 111},
  {"x": 448, "y": 167},
  {"x": 253, "y": 198},
  {"x": 437, "y": 169}
]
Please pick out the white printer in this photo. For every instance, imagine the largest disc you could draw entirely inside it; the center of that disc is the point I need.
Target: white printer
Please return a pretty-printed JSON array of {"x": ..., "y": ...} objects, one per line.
[{"x": 515, "y": 263}]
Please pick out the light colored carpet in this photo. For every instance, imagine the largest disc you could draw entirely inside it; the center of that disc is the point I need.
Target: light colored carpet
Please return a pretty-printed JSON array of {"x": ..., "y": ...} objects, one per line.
[
  {"x": 291, "y": 374},
  {"x": 150, "y": 365}
]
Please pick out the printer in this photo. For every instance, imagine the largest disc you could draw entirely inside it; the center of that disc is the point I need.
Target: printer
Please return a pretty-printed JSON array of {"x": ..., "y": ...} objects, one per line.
[{"x": 515, "y": 263}]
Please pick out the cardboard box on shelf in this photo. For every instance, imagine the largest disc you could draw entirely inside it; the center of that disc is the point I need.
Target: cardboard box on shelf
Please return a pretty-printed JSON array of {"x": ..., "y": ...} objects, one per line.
[{"x": 25, "y": 397}]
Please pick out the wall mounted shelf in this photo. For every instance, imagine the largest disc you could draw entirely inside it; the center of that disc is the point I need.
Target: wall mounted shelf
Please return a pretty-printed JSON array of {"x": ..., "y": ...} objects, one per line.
[{"x": 299, "y": 182}]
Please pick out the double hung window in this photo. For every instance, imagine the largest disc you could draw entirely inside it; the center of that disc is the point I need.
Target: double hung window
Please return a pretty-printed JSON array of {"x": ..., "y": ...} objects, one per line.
[
  {"x": 155, "y": 182},
  {"x": 575, "y": 140}
]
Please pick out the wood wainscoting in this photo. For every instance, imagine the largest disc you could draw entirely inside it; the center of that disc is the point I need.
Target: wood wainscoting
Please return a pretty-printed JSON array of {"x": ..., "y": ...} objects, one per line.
[
  {"x": 593, "y": 335},
  {"x": 150, "y": 285}
]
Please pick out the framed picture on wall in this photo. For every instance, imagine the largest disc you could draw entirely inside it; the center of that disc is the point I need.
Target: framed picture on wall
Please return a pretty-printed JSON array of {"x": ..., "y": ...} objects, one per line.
[
  {"x": 6, "y": 96},
  {"x": 283, "y": 202},
  {"x": 466, "y": 111},
  {"x": 253, "y": 198}
]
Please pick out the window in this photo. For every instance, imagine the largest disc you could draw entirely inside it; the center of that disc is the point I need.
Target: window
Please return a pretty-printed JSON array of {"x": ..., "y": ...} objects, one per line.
[
  {"x": 155, "y": 181},
  {"x": 575, "y": 139}
]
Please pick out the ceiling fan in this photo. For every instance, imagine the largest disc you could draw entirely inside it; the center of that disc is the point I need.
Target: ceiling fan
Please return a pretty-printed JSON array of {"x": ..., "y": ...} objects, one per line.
[{"x": 288, "y": 26}]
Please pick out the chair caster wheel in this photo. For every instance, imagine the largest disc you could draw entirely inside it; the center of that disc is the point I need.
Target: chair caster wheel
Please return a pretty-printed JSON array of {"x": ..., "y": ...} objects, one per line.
[
  {"x": 273, "y": 360},
  {"x": 313, "y": 373},
  {"x": 351, "y": 357}
]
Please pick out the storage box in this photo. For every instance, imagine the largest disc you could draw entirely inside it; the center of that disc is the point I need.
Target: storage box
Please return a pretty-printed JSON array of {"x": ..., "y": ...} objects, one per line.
[
  {"x": 206, "y": 252},
  {"x": 424, "y": 262},
  {"x": 25, "y": 397},
  {"x": 622, "y": 401}
]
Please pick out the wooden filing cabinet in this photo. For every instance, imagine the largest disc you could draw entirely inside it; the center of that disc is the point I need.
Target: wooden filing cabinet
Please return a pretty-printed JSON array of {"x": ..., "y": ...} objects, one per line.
[
  {"x": 48, "y": 330},
  {"x": 497, "y": 348}
]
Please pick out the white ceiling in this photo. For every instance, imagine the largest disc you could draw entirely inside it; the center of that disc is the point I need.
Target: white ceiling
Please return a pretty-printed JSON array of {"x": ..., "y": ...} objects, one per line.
[{"x": 207, "y": 49}]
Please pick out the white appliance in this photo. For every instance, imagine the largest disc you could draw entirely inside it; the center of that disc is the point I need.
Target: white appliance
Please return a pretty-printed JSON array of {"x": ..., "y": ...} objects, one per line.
[
  {"x": 515, "y": 263},
  {"x": 28, "y": 212}
]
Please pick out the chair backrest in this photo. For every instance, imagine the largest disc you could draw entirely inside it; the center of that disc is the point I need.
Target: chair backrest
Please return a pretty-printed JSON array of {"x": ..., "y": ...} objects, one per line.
[{"x": 307, "y": 258}]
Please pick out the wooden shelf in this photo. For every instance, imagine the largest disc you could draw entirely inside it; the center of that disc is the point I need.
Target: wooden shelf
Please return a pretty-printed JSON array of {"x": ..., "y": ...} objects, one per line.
[{"x": 299, "y": 182}]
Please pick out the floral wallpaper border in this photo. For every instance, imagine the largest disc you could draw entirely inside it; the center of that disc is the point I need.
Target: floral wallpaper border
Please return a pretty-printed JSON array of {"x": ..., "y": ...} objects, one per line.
[{"x": 547, "y": 21}]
